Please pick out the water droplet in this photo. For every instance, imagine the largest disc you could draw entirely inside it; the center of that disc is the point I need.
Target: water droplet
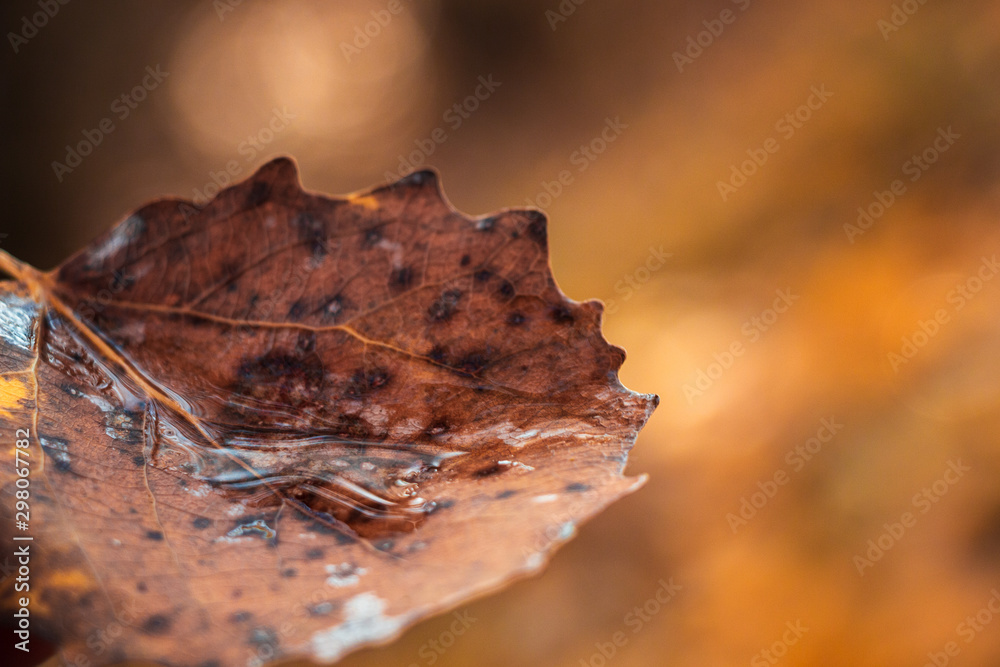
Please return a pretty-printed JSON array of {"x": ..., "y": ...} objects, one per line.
[{"x": 258, "y": 528}]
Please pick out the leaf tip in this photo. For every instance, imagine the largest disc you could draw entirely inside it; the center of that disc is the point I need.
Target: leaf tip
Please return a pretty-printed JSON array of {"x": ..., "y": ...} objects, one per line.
[{"x": 281, "y": 169}]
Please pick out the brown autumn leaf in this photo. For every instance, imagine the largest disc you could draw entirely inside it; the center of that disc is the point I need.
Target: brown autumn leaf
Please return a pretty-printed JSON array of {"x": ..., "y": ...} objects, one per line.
[{"x": 285, "y": 425}]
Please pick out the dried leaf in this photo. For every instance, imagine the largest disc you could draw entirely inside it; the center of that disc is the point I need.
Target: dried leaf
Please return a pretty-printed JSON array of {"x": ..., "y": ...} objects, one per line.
[{"x": 285, "y": 425}]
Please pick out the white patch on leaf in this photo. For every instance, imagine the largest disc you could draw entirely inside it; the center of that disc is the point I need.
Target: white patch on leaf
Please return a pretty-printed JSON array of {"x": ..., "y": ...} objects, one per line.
[
  {"x": 364, "y": 622},
  {"x": 344, "y": 575}
]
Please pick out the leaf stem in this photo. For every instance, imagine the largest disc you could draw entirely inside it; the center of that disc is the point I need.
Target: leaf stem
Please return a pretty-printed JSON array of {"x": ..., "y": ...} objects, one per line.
[{"x": 18, "y": 269}]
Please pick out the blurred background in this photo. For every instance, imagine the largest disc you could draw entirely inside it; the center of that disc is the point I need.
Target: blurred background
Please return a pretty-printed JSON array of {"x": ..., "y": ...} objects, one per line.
[{"x": 791, "y": 211}]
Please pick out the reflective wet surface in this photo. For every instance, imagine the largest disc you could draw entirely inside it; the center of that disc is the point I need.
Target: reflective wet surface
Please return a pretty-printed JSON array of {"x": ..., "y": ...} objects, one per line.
[{"x": 362, "y": 488}]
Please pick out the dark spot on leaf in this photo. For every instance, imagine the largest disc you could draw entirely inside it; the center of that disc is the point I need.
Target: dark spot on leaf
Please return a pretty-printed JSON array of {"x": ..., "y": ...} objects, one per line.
[
  {"x": 121, "y": 282},
  {"x": 364, "y": 382},
  {"x": 482, "y": 275},
  {"x": 141, "y": 587},
  {"x": 201, "y": 523},
  {"x": 154, "y": 535},
  {"x": 445, "y": 306},
  {"x": 321, "y": 609},
  {"x": 306, "y": 342},
  {"x": 314, "y": 554},
  {"x": 139, "y": 459},
  {"x": 334, "y": 307},
  {"x": 264, "y": 636},
  {"x": 281, "y": 377},
  {"x": 311, "y": 231},
  {"x": 516, "y": 319},
  {"x": 259, "y": 193},
  {"x": 289, "y": 572},
  {"x": 372, "y": 237},
  {"x": 240, "y": 617},
  {"x": 401, "y": 278},
  {"x": 490, "y": 470},
  {"x": 384, "y": 545},
  {"x": 466, "y": 260},
  {"x": 473, "y": 363},
  {"x": 536, "y": 228},
  {"x": 157, "y": 624},
  {"x": 437, "y": 354},
  {"x": 506, "y": 494},
  {"x": 298, "y": 310},
  {"x": 506, "y": 289},
  {"x": 577, "y": 487},
  {"x": 437, "y": 427},
  {"x": 561, "y": 314}
]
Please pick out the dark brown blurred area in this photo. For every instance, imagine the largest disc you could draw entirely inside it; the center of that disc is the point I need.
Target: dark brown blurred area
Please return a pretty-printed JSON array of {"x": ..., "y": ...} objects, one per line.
[{"x": 824, "y": 462}]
